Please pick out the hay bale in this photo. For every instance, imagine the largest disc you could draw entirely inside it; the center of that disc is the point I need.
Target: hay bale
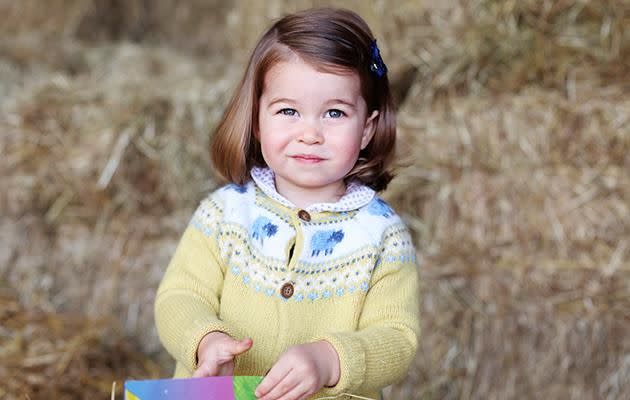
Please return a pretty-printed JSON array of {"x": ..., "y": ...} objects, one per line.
[
  {"x": 470, "y": 47},
  {"x": 55, "y": 356},
  {"x": 515, "y": 138},
  {"x": 521, "y": 209},
  {"x": 202, "y": 27},
  {"x": 124, "y": 140},
  {"x": 59, "y": 19}
]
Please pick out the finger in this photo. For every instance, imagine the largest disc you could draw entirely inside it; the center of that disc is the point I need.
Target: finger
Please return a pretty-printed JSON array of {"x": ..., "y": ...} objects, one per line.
[
  {"x": 276, "y": 375},
  {"x": 226, "y": 369},
  {"x": 231, "y": 349},
  {"x": 299, "y": 392},
  {"x": 239, "y": 346},
  {"x": 281, "y": 389}
]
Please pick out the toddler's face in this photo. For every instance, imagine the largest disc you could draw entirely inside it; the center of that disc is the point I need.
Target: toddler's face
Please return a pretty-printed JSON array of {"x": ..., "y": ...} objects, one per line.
[{"x": 312, "y": 125}]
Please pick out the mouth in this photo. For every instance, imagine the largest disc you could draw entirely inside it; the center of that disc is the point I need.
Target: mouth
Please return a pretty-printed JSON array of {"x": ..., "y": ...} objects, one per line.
[{"x": 308, "y": 158}]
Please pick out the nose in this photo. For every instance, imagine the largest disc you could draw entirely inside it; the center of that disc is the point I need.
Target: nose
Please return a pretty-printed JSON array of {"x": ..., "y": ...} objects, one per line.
[{"x": 311, "y": 133}]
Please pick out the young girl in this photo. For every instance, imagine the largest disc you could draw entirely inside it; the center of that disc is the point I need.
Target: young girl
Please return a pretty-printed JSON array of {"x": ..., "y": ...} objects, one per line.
[{"x": 296, "y": 269}]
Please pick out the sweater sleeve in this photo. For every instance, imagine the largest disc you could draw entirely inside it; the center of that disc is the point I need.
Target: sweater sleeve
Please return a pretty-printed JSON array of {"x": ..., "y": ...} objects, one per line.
[
  {"x": 187, "y": 300},
  {"x": 385, "y": 343}
]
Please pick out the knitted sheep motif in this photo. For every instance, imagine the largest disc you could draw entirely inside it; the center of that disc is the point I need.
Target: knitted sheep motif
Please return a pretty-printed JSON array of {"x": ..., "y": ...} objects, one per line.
[
  {"x": 325, "y": 241},
  {"x": 263, "y": 228},
  {"x": 379, "y": 207}
]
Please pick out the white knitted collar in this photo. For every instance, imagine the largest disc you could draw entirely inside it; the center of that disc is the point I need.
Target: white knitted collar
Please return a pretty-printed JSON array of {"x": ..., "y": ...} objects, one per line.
[{"x": 357, "y": 195}]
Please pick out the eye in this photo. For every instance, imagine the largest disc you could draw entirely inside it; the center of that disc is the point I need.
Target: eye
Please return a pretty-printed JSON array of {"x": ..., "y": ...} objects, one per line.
[
  {"x": 289, "y": 112},
  {"x": 334, "y": 113}
]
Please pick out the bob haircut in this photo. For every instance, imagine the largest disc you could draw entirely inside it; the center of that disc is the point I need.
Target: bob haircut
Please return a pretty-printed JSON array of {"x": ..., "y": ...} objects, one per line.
[{"x": 331, "y": 40}]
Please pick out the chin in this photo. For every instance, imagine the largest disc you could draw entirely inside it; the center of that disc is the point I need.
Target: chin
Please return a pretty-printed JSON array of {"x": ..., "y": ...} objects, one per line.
[{"x": 314, "y": 183}]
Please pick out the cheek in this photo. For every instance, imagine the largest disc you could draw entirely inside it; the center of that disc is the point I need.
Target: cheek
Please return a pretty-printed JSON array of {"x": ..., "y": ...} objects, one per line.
[
  {"x": 271, "y": 144},
  {"x": 348, "y": 149},
  {"x": 267, "y": 144},
  {"x": 265, "y": 129},
  {"x": 275, "y": 133}
]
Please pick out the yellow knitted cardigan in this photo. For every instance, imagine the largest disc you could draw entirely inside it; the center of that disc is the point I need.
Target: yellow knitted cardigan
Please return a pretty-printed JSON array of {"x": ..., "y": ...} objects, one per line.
[{"x": 352, "y": 278}]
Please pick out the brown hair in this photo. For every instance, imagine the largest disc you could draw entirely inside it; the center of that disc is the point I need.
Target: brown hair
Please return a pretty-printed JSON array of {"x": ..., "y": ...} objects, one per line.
[{"x": 331, "y": 40}]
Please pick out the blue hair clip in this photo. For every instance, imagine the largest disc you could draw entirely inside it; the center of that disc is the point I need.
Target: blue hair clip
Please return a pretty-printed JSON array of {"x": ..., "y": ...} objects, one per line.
[{"x": 377, "y": 66}]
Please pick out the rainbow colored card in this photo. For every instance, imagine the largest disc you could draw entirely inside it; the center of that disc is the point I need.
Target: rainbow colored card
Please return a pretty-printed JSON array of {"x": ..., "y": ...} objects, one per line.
[{"x": 211, "y": 388}]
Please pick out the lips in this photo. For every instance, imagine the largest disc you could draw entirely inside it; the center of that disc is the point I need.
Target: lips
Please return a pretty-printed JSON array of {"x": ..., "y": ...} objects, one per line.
[{"x": 307, "y": 158}]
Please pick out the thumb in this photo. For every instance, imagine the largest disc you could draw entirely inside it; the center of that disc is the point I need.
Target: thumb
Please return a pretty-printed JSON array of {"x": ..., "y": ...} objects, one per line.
[{"x": 237, "y": 347}]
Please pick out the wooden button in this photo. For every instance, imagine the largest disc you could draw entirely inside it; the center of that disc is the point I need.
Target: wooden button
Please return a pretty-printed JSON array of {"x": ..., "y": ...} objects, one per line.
[
  {"x": 304, "y": 215},
  {"x": 287, "y": 290}
]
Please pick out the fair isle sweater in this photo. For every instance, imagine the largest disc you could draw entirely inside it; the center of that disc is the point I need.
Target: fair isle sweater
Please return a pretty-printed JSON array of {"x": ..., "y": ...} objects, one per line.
[{"x": 251, "y": 264}]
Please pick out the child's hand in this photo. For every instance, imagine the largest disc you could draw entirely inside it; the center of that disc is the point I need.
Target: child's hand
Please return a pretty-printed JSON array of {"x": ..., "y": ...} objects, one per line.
[
  {"x": 216, "y": 354},
  {"x": 301, "y": 371}
]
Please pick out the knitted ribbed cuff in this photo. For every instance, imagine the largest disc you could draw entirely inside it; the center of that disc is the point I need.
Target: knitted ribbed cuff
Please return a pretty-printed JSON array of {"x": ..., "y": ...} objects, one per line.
[
  {"x": 193, "y": 335},
  {"x": 351, "y": 362}
]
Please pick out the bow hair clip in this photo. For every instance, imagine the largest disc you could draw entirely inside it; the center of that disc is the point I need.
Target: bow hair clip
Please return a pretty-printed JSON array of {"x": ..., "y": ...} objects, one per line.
[{"x": 377, "y": 66}]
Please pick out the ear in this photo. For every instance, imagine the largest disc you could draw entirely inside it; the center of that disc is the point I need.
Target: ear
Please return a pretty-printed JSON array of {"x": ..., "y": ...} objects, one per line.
[{"x": 369, "y": 130}]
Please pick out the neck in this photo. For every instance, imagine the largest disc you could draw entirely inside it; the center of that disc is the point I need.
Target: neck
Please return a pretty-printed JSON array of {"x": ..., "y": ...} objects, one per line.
[{"x": 303, "y": 198}]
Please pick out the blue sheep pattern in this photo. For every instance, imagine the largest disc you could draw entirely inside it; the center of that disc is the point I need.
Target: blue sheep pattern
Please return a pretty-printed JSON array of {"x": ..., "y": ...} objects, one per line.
[
  {"x": 263, "y": 228},
  {"x": 379, "y": 207},
  {"x": 325, "y": 241}
]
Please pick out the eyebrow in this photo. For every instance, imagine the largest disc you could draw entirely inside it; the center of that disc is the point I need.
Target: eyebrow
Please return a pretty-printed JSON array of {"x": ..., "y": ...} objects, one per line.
[
  {"x": 331, "y": 101},
  {"x": 342, "y": 101},
  {"x": 280, "y": 100}
]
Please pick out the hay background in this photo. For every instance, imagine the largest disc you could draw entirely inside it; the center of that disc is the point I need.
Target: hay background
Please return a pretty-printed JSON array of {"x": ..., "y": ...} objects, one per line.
[{"x": 514, "y": 177}]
